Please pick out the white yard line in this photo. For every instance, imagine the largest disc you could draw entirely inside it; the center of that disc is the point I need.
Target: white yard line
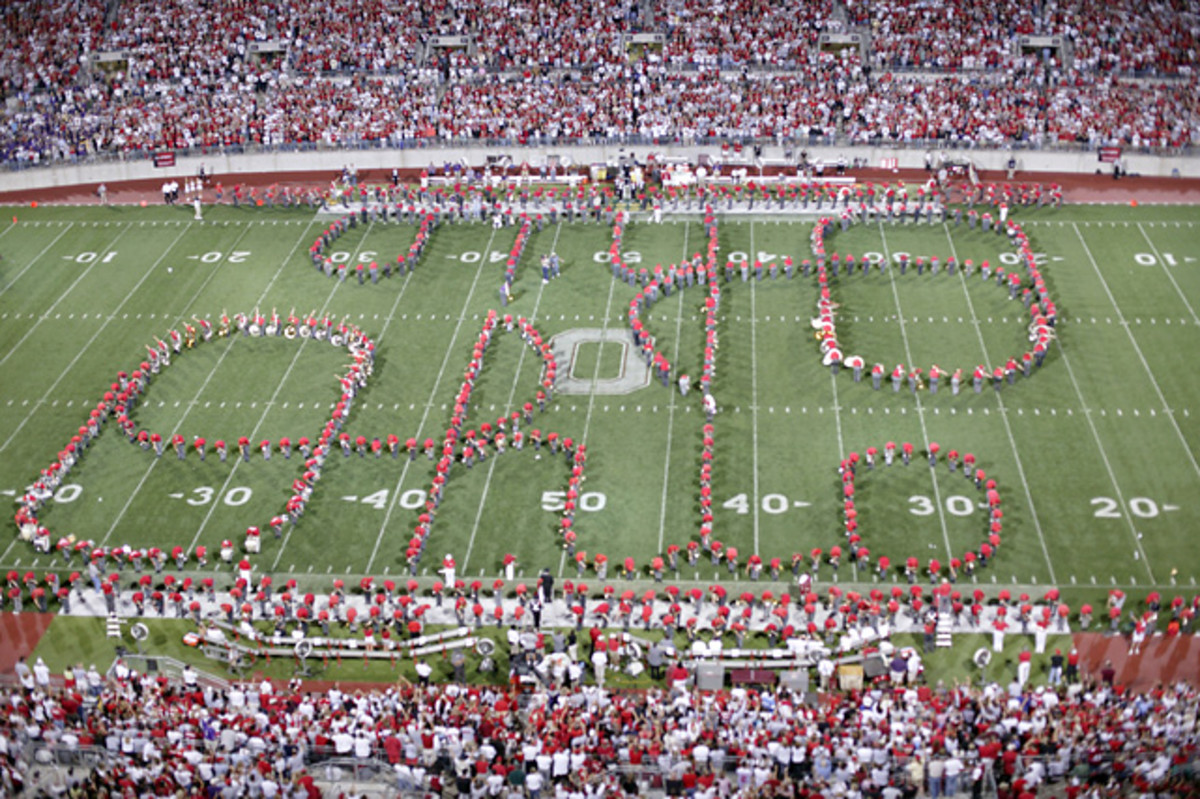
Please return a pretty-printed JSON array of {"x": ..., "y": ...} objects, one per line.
[
  {"x": 1167, "y": 272},
  {"x": 254, "y": 433},
  {"x": 587, "y": 420},
  {"x": 662, "y": 514},
  {"x": 507, "y": 408},
  {"x": 837, "y": 416},
  {"x": 278, "y": 388},
  {"x": 754, "y": 389},
  {"x": 229, "y": 251},
  {"x": 87, "y": 345},
  {"x": 37, "y": 257},
  {"x": 183, "y": 417},
  {"x": 937, "y": 494},
  {"x": 1187, "y": 450},
  {"x": 462, "y": 316},
  {"x": 1112, "y": 477},
  {"x": 46, "y": 313},
  {"x": 1012, "y": 442},
  {"x": 387, "y": 320}
]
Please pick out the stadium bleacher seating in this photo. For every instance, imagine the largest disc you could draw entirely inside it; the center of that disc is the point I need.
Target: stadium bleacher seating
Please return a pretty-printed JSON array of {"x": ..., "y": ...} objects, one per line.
[{"x": 133, "y": 77}]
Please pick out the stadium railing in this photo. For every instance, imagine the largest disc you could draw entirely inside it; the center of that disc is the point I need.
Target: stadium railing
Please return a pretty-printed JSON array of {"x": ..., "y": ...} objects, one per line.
[
  {"x": 170, "y": 668},
  {"x": 358, "y": 772},
  {"x": 421, "y": 143}
]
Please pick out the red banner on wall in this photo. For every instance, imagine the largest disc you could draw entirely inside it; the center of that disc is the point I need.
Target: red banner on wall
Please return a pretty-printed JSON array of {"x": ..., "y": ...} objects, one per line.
[
  {"x": 164, "y": 159},
  {"x": 1109, "y": 155}
]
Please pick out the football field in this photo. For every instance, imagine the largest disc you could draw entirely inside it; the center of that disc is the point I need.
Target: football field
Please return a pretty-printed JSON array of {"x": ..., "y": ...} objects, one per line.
[{"x": 1095, "y": 454}]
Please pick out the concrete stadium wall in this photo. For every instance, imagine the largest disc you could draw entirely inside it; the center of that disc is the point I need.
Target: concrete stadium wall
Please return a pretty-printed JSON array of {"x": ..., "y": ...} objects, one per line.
[{"x": 332, "y": 161}]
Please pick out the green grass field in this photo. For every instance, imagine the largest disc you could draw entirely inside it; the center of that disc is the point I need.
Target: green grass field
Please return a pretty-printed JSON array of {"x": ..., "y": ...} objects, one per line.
[{"x": 1096, "y": 454}]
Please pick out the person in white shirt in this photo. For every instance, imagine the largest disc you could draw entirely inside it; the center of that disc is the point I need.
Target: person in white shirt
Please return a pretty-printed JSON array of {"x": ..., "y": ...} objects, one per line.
[
  {"x": 599, "y": 665},
  {"x": 533, "y": 783},
  {"x": 935, "y": 771},
  {"x": 41, "y": 674},
  {"x": 914, "y": 668},
  {"x": 561, "y": 765},
  {"x": 825, "y": 670},
  {"x": 362, "y": 746},
  {"x": 189, "y": 676}
]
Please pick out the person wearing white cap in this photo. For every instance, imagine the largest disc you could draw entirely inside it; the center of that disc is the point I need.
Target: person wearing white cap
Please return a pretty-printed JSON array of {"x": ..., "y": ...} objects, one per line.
[{"x": 41, "y": 673}]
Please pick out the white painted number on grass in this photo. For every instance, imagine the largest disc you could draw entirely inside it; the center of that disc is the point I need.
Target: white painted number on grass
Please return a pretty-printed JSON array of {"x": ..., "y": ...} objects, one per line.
[
  {"x": 475, "y": 256},
  {"x": 960, "y": 505},
  {"x": 203, "y": 495},
  {"x": 554, "y": 501},
  {"x": 1148, "y": 259},
  {"x": 738, "y": 503},
  {"x": 774, "y": 504},
  {"x": 88, "y": 257},
  {"x": 68, "y": 493},
  {"x": 235, "y": 257},
  {"x": 592, "y": 501},
  {"x": 739, "y": 257},
  {"x": 1108, "y": 508},
  {"x": 378, "y": 500},
  {"x": 238, "y": 496},
  {"x": 412, "y": 499},
  {"x": 234, "y": 497},
  {"x": 956, "y": 505},
  {"x": 1143, "y": 507},
  {"x": 631, "y": 257},
  {"x": 921, "y": 505}
]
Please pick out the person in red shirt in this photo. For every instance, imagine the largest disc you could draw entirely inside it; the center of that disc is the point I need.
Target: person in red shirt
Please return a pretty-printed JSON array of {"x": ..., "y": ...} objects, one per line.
[
  {"x": 1072, "y": 673},
  {"x": 989, "y": 750}
]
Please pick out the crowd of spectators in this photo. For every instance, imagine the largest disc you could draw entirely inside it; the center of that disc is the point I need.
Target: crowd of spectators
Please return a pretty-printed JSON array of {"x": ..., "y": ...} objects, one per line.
[
  {"x": 966, "y": 35},
  {"x": 754, "y": 33},
  {"x": 1122, "y": 37},
  {"x": 1162, "y": 36},
  {"x": 226, "y": 74},
  {"x": 1089, "y": 738}
]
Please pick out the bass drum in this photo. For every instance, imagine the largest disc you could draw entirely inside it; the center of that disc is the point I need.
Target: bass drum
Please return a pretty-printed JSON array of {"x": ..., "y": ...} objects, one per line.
[{"x": 305, "y": 331}]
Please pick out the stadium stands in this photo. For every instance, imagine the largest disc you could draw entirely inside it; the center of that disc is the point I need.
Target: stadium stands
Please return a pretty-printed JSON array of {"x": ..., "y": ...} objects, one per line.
[
  {"x": 130, "y": 77},
  {"x": 93, "y": 79},
  {"x": 188, "y": 737}
]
